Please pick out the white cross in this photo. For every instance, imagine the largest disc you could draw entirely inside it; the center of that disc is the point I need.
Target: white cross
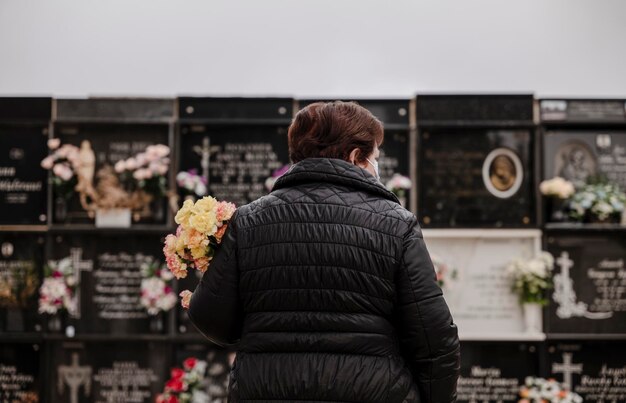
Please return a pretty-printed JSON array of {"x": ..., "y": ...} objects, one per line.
[
  {"x": 567, "y": 369},
  {"x": 565, "y": 263},
  {"x": 78, "y": 264},
  {"x": 204, "y": 152},
  {"x": 75, "y": 376}
]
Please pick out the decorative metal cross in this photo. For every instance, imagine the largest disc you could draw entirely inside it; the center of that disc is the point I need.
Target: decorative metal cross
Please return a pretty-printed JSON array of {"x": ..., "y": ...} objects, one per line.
[
  {"x": 74, "y": 376},
  {"x": 79, "y": 265},
  {"x": 567, "y": 369}
]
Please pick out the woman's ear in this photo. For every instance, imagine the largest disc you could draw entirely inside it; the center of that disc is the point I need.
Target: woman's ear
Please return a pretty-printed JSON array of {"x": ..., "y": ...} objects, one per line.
[{"x": 353, "y": 157}]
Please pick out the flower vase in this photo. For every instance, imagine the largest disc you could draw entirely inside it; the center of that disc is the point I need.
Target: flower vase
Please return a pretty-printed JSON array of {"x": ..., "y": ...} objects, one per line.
[
  {"x": 532, "y": 317},
  {"x": 55, "y": 323},
  {"x": 556, "y": 209},
  {"x": 156, "y": 323},
  {"x": 60, "y": 208}
]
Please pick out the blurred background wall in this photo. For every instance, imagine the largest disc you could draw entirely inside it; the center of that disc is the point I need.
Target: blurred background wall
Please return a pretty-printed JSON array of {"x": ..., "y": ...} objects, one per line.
[{"x": 317, "y": 48}]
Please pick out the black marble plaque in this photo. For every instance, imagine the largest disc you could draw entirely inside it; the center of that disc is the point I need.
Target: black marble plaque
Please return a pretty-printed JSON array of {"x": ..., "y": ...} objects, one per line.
[
  {"x": 235, "y": 160},
  {"x": 475, "y": 178},
  {"x": 128, "y": 371},
  {"x": 23, "y": 182},
  {"x": 21, "y": 257},
  {"x": 494, "y": 371},
  {"x": 217, "y": 371},
  {"x": 589, "y": 277},
  {"x": 108, "y": 268},
  {"x": 20, "y": 378},
  {"x": 109, "y": 143},
  {"x": 595, "y": 370},
  {"x": 581, "y": 154}
]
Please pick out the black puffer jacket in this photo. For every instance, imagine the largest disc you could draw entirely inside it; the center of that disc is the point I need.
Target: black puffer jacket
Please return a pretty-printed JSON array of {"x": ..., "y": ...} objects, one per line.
[{"x": 329, "y": 290}]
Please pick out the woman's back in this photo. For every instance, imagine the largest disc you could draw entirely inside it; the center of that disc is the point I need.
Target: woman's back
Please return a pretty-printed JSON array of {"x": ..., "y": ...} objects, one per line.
[{"x": 319, "y": 262}]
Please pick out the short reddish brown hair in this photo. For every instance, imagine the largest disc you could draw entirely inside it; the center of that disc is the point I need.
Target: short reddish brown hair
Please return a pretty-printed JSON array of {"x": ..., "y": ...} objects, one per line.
[{"x": 333, "y": 130}]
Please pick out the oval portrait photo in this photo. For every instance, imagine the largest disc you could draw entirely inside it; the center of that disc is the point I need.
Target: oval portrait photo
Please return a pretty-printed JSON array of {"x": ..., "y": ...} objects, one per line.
[{"x": 502, "y": 173}]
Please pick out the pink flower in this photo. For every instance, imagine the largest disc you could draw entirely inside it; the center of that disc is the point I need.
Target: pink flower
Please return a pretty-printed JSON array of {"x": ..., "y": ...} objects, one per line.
[
  {"x": 47, "y": 162},
  {"x": 202, "y": 264},
  {"x": 63, "y": 171},
  {"x": 178, "y": 268},
  {"x": 186, "y": 298},
  {"x": 131, "y": 164},
  {"x": 53, "y": 144},
  {"x": 225, "y": 211},
  {"x": 120, "y": 166}
]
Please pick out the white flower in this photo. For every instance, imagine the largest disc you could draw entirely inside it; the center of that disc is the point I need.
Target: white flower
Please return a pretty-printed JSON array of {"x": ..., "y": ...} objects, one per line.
[
  {"x": 558, "y": 187},
  {"x": 63, "y": 171},
  {"x": 131, "y": 164},
  {"x": 398, "y": 181},
  {"x": 71, "y": 280}
]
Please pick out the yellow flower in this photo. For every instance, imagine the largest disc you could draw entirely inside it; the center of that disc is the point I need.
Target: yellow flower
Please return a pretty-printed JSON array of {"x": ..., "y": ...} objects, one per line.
[
  {"x": 181, "y": 244},
  {"x": 204, "y": 205},
  {"x": 185, "y": 212},
  {"x": 205, "y": 223},
  {"x": 198, "y": 252}
]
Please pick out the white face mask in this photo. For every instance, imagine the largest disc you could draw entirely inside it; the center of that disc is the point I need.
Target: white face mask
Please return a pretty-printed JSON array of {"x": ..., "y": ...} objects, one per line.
[{"x": 375, "y": 165}]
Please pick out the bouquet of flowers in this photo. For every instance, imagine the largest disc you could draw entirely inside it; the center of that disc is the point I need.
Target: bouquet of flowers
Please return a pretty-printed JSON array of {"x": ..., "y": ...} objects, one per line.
[
  {"x": 63, "y": 163},
  {"x": 399, "y": 184},
  {"x": 201, "y": 226},
  {"x": 601, "y": 201},
  {"x": 557, "y": 187},
  {"x": 269, "y": 182},
  {"x": 147, "y": 170},
  {"x": 531, "y": 278},
  {"x": 539, "y": 390},
  {"x": 57, "y": 292},
  {"x": 186, "y": 384},
  {"x": 191, "y": 183},
  {"x": 444, "y": 271},
  {"x": 157, "y": 294}
]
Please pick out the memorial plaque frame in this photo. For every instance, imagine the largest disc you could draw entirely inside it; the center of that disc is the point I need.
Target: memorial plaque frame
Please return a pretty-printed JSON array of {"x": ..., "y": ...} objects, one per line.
[
  {"x": 589, "y": 126},
  {"x": 18, "y": 351},
  {"x": 28, "y": 118},
  {"x": 486, "y": 286},
  {"x": 596, "y": 310},
  {"x": 110, "y": 263},
  {"x": 116, "y": 117},
  {"x": 505, "y": 124},
  {"x": 398, "y": 119}
]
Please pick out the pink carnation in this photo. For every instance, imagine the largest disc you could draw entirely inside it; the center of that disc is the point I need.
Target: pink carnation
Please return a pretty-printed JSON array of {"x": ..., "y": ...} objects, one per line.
[
  {"x": 186, "y": 298},
  {"x": 202, "y": 263},
  {"x": 225, "y": 211}
]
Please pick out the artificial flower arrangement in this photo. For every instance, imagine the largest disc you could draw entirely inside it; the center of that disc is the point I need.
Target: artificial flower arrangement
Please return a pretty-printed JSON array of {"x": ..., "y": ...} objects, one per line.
[
  {"x": 131, "y": 184},
  {"x": 531, "y": 278},
  {"x": 186, "y": 384},
  {"x": 557, "y": 187},
  {"x": 399, "y": 185},
  {"x": 444, "y": 271},
  {"x": 146, "y": 170},
  {"x": 18, "y": 284},
  {"x": 539, "y": 390},
  {"x": 157, "y": 294},
  {"x": 201, "y": 226},
  {"x": 63, "y": 162},
  {"x": 270, "y": 181},
  {"x": 58, "y": 290},
  {"x": 597, "y": 202},
  {"x": 191, "y": 184}
]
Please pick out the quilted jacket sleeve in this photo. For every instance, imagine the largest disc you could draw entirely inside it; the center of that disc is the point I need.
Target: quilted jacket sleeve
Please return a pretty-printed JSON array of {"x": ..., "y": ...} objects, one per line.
[
  {"x": 427, "y": 333},
  {"x": 215, "y": 308}
]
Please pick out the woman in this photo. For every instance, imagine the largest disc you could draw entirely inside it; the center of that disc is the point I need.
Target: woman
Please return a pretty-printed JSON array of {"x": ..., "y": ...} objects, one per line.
[{"x": 325, "y": 284}]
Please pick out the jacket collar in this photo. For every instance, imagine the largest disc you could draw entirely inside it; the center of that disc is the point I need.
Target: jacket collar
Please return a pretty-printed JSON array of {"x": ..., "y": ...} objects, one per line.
[{"x": 332, "y": 170}]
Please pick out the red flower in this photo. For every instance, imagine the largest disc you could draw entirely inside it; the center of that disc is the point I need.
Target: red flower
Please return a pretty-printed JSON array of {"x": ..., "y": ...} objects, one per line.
[
  {"x": 164, "y": 398},
  {"x": 175, "y": 385},
  {"x": 57, "y": 274},
  {"x": 190, "y": 363},
  {"x": 177, "y": 373}
]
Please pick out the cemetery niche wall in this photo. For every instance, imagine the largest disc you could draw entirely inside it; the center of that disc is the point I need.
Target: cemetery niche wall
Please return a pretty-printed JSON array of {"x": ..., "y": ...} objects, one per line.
[
  {"x": 109, "y": 162},
  {"x": 475, "y": 161}
]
